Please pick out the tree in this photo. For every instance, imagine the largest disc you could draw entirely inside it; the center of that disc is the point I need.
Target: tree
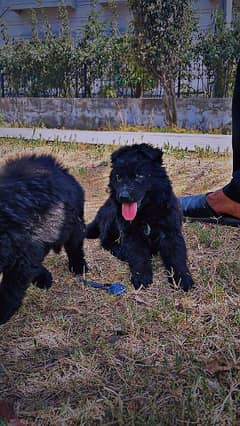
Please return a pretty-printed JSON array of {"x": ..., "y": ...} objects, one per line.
[
  {"x": 219, "y": 50},
  {"x": 43, "y": 65},
  {"x": 162, "y": 42}
]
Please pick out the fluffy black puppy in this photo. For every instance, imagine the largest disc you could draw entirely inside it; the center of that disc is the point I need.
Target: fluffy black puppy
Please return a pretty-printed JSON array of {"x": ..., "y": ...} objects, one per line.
[
  {"x": 142, "y": 217},
  {"x": 41, "y": 208}
]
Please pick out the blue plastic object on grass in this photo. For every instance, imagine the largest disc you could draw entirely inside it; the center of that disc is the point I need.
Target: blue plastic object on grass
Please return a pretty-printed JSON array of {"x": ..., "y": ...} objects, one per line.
[{"x": 115, "y": 289}]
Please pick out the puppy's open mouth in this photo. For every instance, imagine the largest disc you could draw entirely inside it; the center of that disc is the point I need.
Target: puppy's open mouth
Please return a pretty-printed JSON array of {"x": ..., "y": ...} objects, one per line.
[{"x": 129, "y": 210}]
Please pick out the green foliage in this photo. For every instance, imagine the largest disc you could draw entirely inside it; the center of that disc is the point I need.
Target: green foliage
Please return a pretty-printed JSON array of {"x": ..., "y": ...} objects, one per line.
[
  {"x": 43, "y": 64},
  {"x": 92, "y": 48},
  {"x": 163, "y": 34},
  {"x": 162, "y": 37},
  {"x": 157, "y": 47},
  {"x": 219, "y": 50},
  {"x": 57, "y": 65}
]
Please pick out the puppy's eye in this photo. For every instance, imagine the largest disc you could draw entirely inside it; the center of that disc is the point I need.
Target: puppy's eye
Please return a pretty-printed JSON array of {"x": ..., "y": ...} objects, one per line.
[
  {"x": 118, "y": 178},
  {"x": 139, "y": 177}
]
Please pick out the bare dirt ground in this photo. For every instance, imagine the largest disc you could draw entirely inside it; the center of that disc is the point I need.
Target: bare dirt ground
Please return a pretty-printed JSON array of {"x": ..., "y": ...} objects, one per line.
[{"x": 78, "y": 356}]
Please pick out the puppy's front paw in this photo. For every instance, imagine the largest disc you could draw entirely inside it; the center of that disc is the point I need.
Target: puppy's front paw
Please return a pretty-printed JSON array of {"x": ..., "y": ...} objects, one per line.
[
  {"x": 186, "y": 282},
  {"x": 78, "y": 267},
  {"x": 43, "y": 280},
  {"x": 140, "y": 279}
]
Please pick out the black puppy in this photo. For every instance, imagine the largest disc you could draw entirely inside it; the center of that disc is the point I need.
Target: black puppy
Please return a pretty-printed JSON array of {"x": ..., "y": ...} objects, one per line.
[
  {"x": 142, "y": 217},
  {"x": 41, "y": 208}
]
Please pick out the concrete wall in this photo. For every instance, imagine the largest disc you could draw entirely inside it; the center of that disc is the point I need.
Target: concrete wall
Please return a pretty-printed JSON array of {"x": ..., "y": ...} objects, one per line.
[{"x": 193, "y": 113}]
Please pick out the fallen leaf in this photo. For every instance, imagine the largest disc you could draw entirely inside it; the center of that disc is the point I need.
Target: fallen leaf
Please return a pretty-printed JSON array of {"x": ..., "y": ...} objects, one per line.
[
  {"x": 139, "y": 300},
  {"x": 72, "y": 308}
]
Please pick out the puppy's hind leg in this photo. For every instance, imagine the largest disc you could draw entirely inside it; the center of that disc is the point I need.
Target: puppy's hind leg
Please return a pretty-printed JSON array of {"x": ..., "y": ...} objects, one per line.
[
  {"x": 74, "y": 250},
  {"x": 93, "y": 231}
]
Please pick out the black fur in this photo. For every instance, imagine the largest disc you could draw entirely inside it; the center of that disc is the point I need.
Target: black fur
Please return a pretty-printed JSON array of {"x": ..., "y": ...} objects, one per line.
[
  {"x": 138, "y": 176},
  {"x": 41, "y": 208}
]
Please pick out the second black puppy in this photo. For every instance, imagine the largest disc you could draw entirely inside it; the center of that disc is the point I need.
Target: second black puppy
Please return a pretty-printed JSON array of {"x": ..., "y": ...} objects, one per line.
[
  {"x": 142, "y": 217},
  {"x": 41, "y": 208}
]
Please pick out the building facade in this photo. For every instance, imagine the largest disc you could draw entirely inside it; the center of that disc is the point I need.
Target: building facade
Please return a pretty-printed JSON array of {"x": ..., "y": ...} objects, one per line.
[{"x": 17, "y": 14}]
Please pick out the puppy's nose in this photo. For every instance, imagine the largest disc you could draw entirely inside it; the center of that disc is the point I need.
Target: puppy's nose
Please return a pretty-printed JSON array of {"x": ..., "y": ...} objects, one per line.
[{"x": 124, "y": 196}]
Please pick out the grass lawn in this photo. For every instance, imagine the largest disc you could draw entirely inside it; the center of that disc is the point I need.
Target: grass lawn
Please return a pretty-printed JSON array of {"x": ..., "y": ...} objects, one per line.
[{"x": 78, "y": 356}]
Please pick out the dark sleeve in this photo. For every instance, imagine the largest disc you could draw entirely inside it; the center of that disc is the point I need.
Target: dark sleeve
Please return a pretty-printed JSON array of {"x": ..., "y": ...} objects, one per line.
[{"x": 236, "y": 121}]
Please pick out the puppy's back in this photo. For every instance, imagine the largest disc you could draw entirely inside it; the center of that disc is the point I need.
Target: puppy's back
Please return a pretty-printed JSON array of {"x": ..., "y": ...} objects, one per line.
[
  {"x": 32, "y": 185},
  {"x": 30, "y": 166}
]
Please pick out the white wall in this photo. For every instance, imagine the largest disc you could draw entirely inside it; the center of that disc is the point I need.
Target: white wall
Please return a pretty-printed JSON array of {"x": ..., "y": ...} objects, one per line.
[{"x": 19, "y": 24}]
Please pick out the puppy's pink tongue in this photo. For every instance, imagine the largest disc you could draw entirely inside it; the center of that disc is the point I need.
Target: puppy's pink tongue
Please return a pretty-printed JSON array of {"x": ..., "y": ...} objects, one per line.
[{"x": 129, "y": 210}]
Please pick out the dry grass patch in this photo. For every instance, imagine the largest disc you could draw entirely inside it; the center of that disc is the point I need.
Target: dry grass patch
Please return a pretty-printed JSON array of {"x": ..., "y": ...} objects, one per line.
[{"x": 78, "y": 356}]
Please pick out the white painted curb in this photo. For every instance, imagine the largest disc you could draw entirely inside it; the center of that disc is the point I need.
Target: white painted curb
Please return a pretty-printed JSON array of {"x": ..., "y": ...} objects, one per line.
[{"x": 215, "y": 143}]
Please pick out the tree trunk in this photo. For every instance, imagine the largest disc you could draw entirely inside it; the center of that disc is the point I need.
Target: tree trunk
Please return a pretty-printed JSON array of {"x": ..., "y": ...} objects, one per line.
[
  {"x": 219, "y": 84},
  {"x": 138, "y": 90},
  {"x": 169, "y": 102}
]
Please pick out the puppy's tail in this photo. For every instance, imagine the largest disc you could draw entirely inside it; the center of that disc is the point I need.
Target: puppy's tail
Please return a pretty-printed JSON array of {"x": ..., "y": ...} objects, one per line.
[{"x": 92, "y": 231}]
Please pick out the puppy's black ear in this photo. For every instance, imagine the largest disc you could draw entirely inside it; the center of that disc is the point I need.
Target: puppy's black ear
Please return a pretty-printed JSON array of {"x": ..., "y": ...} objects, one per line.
[
  {"x": 116, "y": 154},
  {"x": 154, "y": 154}
]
